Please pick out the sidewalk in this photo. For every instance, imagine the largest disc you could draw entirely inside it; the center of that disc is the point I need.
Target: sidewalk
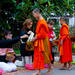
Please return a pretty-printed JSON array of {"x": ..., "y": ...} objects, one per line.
[{"x": 56, "y": 71}]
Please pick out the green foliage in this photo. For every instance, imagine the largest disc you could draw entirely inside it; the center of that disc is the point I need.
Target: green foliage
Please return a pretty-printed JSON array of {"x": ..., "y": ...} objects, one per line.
[
  {"x": 22, "y": 9},
  {"x": 17, "y": 51},
  {"x": 73, "y": 49},
  {"x": 42, "y": 1}
]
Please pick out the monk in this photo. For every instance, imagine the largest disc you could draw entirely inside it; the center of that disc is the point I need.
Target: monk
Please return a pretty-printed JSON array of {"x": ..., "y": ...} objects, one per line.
[
  {"x": 41, "y": 42},
  {"x": 65, "y": 45}
]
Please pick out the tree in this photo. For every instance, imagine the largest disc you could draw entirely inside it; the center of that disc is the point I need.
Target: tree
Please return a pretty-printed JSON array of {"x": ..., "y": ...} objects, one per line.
[{"x": 14, "y": 12}]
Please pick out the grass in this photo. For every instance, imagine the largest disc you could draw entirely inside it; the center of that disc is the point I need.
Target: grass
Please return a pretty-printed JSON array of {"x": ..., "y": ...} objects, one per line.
[{"x": 17, "y": 51}]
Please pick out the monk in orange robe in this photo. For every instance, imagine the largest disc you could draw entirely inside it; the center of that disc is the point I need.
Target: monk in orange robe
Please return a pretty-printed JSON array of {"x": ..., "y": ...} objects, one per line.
[
  {"x": 65, "y": 45},
  {"x": 41, "y": 42}
]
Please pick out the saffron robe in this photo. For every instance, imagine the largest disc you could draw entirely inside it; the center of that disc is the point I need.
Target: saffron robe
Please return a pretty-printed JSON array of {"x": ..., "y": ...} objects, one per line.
[
  {"x": 42, "y": 53},
  {"x": 66, "y": 47}
]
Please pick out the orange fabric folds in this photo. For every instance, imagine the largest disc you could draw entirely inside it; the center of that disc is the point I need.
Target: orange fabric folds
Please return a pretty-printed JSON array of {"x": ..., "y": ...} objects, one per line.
[
  {"x": 66, "y": 47},
  {"x": 41, "y": 34}
]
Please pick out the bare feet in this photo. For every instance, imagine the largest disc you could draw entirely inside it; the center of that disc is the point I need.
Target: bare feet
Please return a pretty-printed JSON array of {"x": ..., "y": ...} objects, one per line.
[
  {"x": 70, "y": 68},
  {"x": 63, "y": 68},
  {"x": 52, "y": 67},
  {"x": 49, "y": 71}
]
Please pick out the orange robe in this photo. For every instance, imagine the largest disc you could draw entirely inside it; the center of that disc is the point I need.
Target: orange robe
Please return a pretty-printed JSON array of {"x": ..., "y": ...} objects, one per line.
[
  {"x": 66, "y": 48},
  {"x": 41, "y": 34}
]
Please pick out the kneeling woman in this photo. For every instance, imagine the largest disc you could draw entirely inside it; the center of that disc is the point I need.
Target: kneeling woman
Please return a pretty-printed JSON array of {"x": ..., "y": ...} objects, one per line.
[{"x": 6, "y": 48}]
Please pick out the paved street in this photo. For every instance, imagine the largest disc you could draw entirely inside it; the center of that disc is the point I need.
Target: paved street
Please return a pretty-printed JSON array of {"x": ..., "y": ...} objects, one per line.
[{"x": 56, "y": 71}]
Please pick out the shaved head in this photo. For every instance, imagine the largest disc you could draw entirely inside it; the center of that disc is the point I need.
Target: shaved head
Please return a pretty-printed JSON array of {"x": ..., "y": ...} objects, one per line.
[
  {"x": 62, "y": 19},
  {"x": 36, "y": 10},
  {"x": 36, "y": 13}
]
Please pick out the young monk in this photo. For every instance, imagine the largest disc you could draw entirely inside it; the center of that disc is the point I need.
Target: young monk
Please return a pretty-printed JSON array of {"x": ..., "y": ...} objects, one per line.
[
  {"x": 65, "y": 45},
  {"x": 41, "y": 43}
]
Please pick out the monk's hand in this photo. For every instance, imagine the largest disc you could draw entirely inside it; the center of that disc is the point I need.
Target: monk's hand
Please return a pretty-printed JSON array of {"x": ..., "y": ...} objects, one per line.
[
  {"x": 33, "y": 39},
  {"x": 61, "y": 42}
]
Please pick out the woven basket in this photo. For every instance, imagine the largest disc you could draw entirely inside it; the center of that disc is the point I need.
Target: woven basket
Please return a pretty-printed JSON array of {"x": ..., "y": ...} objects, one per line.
[
  {"x": 10, "y": 57},
  {"x": 55, "y": 43},
  {"x": 29, "y": 46}
]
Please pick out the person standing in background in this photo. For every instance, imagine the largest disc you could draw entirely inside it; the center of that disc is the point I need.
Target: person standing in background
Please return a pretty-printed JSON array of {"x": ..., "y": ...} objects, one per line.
[
  {"x": 26, "y": 30},
  {"x": 52, "y": 38}
]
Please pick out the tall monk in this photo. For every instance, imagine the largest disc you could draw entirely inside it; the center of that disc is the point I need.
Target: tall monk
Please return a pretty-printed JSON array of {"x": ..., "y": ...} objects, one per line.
[
  {"x": 41, "y": 43},
  {"x": 65, "y": 45}
]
